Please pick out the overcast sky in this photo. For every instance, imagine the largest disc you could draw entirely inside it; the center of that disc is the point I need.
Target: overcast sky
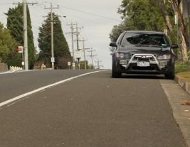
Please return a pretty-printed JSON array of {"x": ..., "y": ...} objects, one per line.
[{"x": 95, "y": 17}]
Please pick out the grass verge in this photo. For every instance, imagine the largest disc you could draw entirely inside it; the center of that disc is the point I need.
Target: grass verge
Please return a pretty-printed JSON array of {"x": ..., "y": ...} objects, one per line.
[
  {"x": 183, "y": 70},
  {"x": 184, "y": 75}
]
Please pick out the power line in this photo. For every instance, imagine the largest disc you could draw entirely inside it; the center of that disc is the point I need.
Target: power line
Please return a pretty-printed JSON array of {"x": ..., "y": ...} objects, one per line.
[
  {"x": 5, "y": 4},
  {"x": 92, "y": 14}
]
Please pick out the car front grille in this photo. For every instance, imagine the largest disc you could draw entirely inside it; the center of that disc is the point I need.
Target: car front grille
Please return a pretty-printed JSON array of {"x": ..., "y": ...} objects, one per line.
[{"x": 144, "y": 58}]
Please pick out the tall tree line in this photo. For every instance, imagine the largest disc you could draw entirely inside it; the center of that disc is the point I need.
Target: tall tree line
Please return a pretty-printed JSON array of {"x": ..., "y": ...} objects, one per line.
[
  {"x": 12, "y": 37},
  {"x": 15, "y": 25},
  {"x": 61, "y": 48},
  {"x": 8, "y": 47}
]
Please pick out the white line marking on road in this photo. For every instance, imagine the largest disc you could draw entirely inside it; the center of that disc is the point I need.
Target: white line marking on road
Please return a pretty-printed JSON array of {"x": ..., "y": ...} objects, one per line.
[
  {"x": 43, "y": 88},
  {"x": 7, "y": 72}
]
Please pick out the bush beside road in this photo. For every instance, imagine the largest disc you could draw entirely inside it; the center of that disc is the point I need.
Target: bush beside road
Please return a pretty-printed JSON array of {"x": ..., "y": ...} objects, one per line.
[
  {"x": 183, "y": 76},
  {"x": 3, "y": 67},
  {"x": 183, "y": 82},
  {"x": 182, "y": 67}
]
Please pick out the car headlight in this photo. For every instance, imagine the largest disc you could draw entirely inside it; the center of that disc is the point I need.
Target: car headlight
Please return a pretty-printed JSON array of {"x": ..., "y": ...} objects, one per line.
[
  {"x": 120, "y": 55},
  {"x": 164, "y": 57},
  {"x": 123, "y": 55}
]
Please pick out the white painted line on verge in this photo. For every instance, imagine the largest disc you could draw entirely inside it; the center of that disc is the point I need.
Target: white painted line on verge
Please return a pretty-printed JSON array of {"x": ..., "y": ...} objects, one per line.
[
  {"x": 7, "y": 72},
  {"x": 43, "y": 88}
]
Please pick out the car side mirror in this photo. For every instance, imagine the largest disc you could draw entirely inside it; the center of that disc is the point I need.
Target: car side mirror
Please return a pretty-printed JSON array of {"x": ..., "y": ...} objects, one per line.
[
  {"x": 174, "y": 46},
  {"x": 113, "y": 44}
]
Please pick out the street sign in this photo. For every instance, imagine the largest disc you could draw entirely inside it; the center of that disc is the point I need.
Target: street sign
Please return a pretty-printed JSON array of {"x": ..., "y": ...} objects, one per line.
[
  {"x": 69, "y": 63},
  {"x": 52, "y": 59},
  {"x": 20, "y": 49},
  {"x": 78, "y": 54}
]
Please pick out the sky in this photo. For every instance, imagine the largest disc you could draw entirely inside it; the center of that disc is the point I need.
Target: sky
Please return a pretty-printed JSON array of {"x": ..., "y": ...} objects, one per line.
[{"x": 95, "y": 18}]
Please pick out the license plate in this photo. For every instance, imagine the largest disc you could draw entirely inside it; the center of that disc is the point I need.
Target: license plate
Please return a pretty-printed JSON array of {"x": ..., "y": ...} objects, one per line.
[{"x": 143, "y": 64}]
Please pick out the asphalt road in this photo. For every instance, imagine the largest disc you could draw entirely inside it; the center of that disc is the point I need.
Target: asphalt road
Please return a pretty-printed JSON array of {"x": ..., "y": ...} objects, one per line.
[
  {"x": 91, "y": 111},
  {"x": 14, "y": 84}
]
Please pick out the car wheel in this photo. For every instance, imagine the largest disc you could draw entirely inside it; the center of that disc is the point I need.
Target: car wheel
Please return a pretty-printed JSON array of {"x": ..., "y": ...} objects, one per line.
[
  {"x": 170, "y": 73},
  {"x": 116, "y": 72}
]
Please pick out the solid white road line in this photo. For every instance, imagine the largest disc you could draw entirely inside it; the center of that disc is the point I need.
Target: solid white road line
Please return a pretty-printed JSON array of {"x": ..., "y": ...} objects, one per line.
[
  {"x": 43, "y": 88},
  {"x": 2, "y": 73}
]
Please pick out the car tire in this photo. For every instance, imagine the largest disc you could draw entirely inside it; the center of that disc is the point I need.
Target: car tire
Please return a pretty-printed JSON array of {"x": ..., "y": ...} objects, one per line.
[
  {"x": 116, "y": 71},
  {"x": 170, "y": 73}
]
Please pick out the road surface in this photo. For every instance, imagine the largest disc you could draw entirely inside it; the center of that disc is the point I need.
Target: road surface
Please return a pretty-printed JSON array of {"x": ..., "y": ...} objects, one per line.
[{"x": 91, "y": 111}]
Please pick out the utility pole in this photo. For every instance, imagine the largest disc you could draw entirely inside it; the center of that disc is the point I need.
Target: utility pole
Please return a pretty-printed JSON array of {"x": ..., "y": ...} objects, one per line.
[
  {"x": 78, "y": 48},
  {"x": 77, "y": 36},
  {"x": 25, "y": 34},
  {"x": 25, "y": 29},
  {"x": 84, "y": 53},
  {"x": 92, "y": 56},
  {"x": 99, "y": 64},
  {"x": 77, "y": 33},
  {"x": 52, "y": 35},
  {"x": 72, "y": 42}
]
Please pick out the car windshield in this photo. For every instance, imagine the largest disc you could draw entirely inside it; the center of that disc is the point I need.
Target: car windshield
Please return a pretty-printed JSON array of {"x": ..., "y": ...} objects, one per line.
[{"x": 142, "y": 39}]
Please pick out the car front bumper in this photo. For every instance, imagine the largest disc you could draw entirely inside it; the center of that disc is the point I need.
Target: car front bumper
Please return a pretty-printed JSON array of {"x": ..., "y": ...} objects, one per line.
[{"x": 145, "y": 63}]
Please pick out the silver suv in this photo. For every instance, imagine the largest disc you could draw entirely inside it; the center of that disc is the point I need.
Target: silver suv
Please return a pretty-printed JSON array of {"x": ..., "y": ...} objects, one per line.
[{"x": 143, "y": 52}]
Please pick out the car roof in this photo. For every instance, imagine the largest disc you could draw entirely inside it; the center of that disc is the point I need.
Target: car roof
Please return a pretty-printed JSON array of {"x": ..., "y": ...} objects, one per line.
[{"x": 144, "y": 32}]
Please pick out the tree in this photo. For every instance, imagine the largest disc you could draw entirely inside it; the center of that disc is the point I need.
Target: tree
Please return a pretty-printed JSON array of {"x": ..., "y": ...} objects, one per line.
[
  {"x": 61, "y": 49},
  {"x": 166, "y": 12},
  {"x": 156, "y": 15},
  {"x": 139, "y": 15},
  {"x": 116, "y": 31},
  {"x": 15, "y": 25},
  {"x": 8, "y": 46},
  {"x": 176, "y": 4},
  {"x": 170, "y": 8}
]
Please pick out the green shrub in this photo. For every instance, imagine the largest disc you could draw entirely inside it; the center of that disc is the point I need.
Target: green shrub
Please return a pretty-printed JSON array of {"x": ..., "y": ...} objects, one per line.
[{"x": 182, "y": 67}]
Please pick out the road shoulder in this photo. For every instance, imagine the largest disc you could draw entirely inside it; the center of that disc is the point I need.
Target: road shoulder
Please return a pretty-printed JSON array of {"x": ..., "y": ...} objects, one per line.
[{"x": 181, "y": 112}]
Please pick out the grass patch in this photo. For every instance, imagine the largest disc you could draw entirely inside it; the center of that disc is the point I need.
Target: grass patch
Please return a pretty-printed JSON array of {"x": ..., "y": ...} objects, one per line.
[
  {"x": 182, "y": 67},
  {"x": 183, "y": 70},
  {"x": 185, "y": 75}
]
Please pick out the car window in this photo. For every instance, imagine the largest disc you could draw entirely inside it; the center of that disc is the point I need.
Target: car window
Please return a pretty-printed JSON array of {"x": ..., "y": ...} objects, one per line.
[{"x": 142, "y": 39}]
